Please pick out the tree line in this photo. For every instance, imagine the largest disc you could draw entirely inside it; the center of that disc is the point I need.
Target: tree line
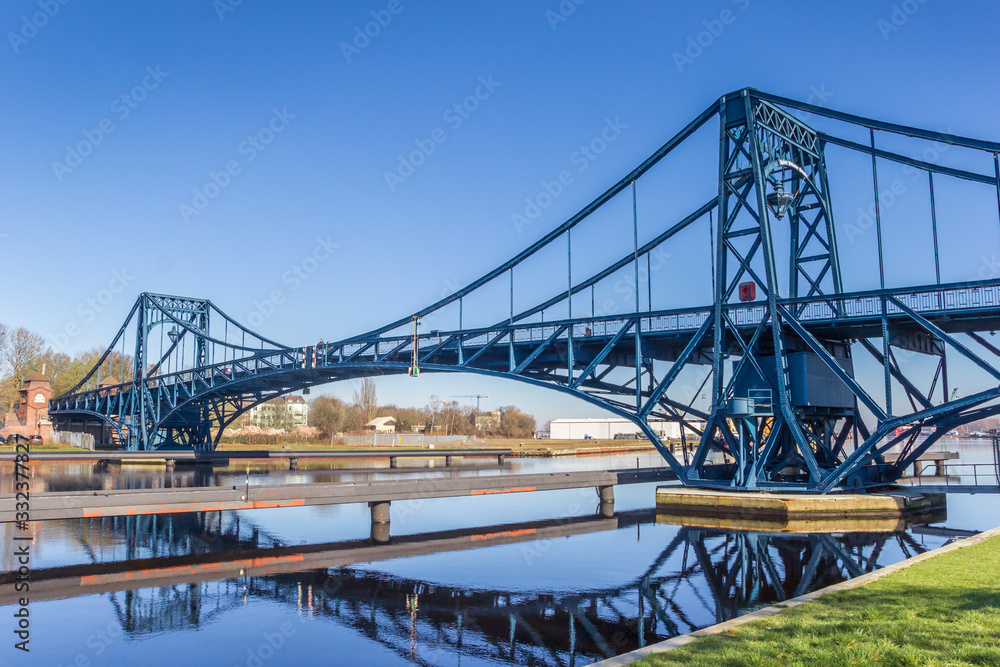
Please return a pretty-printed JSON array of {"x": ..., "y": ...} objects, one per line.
[
  {"x": 332, "y": 415},
  {"x": 24, "y": 352}
]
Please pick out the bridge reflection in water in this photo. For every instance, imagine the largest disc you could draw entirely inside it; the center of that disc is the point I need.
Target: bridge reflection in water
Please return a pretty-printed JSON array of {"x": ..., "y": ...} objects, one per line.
[{"x": 179, "y": 572}]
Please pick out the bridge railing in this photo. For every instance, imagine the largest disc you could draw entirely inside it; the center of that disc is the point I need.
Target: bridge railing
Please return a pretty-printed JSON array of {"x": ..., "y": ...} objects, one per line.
[
  {"x": 951, "y": 298},
  {"x": 922, "y": 301},
  {"x": 960, "y": 476},
  {"x": 860, "y": 305},
  {"x": 864, "y": 305},
  {"x": 211, "y": 376}
]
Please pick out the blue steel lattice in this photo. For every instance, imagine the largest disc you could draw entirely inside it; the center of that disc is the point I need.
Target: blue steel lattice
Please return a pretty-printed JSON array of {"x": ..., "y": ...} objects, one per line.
[{"x": 195, "y": 370}]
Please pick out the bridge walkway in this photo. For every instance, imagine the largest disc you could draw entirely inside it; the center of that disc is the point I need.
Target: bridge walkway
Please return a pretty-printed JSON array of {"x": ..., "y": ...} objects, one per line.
[{"x": 378, "y": 494}]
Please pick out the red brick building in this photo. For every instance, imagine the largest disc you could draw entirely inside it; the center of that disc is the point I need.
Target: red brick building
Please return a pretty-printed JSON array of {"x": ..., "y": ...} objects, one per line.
[{"x": 31, "y": 414}]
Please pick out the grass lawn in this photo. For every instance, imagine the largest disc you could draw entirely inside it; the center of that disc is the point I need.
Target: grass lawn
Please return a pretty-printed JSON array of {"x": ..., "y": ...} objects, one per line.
[{"x": 943, "y": 611}]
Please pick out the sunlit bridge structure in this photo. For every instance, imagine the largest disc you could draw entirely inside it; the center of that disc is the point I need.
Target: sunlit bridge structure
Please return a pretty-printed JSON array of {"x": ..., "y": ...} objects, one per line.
[{"x": 730, "y": 278}]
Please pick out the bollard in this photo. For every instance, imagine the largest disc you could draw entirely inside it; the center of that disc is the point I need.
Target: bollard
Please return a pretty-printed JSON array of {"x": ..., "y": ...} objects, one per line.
[{"x": 380, "y": 511}]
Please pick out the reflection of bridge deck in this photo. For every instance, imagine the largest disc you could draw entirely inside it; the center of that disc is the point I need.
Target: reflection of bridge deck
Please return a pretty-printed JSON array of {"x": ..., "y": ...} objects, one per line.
[
  {"x": 93, "y": 578},
  {"x": 76, "y": 505}
]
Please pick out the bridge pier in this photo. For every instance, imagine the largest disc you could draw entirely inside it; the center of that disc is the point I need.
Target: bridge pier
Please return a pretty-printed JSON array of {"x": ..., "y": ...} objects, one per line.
[
  {"x": 782, "y": 511},
  {"x": 606, "y": 494},
  {"x": 500, "y": 459},
  {"x": 447, "y": 460},
  {"x": 393, "y": 462},
  {"x": 293, "y": 464},
  {"x": 380, "y": 533},
  {"x": 380, "y": 512}
]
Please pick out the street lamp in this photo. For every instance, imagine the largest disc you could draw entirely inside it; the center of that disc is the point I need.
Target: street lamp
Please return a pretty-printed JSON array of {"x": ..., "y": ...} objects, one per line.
[
  {"x": 174, "y": 334},
  {"x": 779, "y": 200}
]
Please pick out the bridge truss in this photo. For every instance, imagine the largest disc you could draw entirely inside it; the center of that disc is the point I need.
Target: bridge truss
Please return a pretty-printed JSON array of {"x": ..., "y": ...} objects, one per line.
[{"x": 808, "y": 383}]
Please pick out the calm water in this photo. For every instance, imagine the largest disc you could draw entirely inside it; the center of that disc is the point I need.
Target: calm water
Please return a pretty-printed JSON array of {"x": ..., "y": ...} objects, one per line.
[{"x": 526, "y": 579}]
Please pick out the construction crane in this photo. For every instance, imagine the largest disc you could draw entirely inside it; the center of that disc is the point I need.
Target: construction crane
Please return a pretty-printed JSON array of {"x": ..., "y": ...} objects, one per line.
[{"x": 475, "y": 396}]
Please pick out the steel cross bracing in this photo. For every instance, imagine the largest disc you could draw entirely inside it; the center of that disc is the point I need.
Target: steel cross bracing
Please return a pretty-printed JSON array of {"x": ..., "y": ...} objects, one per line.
[{"x": 776, "y": 350}]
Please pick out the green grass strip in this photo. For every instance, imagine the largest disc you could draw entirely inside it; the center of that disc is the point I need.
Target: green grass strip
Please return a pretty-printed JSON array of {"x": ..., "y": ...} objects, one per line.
[{"x": 943, "y": 611}]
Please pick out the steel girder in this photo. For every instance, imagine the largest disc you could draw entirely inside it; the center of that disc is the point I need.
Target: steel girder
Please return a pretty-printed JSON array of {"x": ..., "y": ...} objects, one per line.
[{"x": 212, "y": 369}]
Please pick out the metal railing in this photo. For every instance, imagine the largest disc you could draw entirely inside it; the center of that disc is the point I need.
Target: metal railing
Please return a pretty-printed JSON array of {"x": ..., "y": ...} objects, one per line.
[
  {"x": 861, "y": 305},
  {"x": 986, "y": 475}
]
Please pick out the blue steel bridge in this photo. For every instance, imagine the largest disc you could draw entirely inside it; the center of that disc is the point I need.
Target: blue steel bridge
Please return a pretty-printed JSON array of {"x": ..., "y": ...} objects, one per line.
[{"x": 810, "y": 383}]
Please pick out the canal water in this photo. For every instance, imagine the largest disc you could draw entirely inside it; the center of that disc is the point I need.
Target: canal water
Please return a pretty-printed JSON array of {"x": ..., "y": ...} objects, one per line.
[{"x": 517, "y": 579}]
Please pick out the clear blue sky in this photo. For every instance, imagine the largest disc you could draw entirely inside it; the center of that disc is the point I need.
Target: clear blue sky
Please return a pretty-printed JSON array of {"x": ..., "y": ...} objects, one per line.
[{"x": 199, "y": 77}]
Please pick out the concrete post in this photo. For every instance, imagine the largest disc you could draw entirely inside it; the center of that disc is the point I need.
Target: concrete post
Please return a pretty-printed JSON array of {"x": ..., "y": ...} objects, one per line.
[
  {"x": 380, "y": 533},
  {"x": 380, "y": 511}
]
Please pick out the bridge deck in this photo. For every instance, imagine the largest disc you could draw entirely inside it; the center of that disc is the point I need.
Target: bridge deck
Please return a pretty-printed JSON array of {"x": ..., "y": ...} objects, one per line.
[
  {"x": 82, "y": 505},
  {"x": 224, "y": 455}
]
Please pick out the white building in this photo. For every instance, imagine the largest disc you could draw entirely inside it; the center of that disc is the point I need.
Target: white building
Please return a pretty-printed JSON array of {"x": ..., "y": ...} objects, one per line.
[
  {"x": 382, "y": 425},
  {"x": 284, "y": 413},
  {"x": 607, "y": 428}
]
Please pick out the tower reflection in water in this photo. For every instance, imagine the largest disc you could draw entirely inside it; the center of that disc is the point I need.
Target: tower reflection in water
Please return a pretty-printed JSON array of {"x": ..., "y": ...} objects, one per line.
[{"x": 199, "y": 567}]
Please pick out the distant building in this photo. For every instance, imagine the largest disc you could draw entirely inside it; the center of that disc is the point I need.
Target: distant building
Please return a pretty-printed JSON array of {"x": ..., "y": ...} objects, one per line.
[
  {"x": 488, "y": 421},
  {"x": 608, "y": 428},
  {"x": 381, "y": 425},
  {"x": 283, "y": 413}
]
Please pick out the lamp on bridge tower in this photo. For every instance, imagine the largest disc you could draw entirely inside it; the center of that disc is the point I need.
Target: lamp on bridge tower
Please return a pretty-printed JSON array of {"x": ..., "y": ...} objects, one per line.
[
  {"x": 174, "y": 334},
  {"x": 778, "y": 200}
]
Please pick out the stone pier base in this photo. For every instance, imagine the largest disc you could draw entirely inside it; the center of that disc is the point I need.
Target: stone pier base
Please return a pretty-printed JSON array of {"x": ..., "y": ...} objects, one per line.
[{"x": 772, "y": 507}]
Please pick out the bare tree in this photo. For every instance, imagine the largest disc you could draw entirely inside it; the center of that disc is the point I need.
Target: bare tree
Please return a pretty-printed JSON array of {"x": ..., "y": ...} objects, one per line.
[
  {"x": 22, "y": 352},
  {"x": 366, "y": 399}
]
